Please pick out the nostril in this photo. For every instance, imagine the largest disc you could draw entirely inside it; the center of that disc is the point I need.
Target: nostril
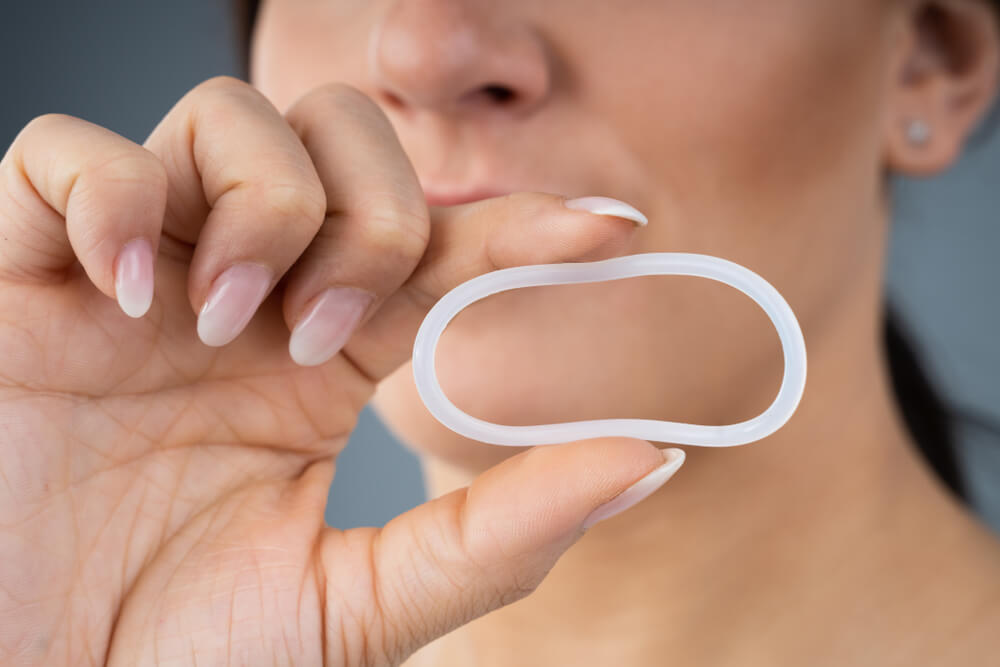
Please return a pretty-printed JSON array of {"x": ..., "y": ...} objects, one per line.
[
  {"x": 499, "y": 93},
  {"x": 393, "y": 99}
]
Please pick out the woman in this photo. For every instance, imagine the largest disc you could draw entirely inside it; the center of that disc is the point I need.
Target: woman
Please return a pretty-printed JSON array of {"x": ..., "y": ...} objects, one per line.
[{"x": 166, "y": 458}]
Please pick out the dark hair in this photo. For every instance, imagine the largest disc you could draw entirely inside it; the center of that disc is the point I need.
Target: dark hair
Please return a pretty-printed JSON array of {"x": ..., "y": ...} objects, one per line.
[
  {"x": 245, "y": 14},
  {"x": 925, "y": 414},
  {"x": 928, "y": 419}
]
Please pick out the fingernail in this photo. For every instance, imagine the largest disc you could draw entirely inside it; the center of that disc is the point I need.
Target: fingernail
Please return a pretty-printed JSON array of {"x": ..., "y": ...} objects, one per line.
[
  {"x": 234, "y": 298},
  {"x": 644, "y": 487},
  {"x": 608, "y": 206},
  {"x": 134, "y": 277},
  {"x": 328, "y": 325}
]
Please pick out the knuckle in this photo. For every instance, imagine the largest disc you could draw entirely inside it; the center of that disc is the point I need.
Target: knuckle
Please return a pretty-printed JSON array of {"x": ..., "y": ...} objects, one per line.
[
  {"x": 215, "y": 98},
  {"x": 367, "y": 629},
  {"x": 519, "y": 587},
  {"x": 391, "y": 226},
  {"x": 347, "y": 96},
  {"x": 38, "y": 126},
  {"x": 292, "y": 200},
  {"x": 38, "y": 129},
  {"x": 222, "y": 83},
  {"x": 340, "y": 100},
  {"x": 132, "y": 165},
  {"x": 43, "y": 124},
  {"x": 432, "y": 571}
]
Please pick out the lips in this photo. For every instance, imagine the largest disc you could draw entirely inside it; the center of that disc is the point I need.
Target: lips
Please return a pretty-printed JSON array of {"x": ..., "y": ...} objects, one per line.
[{"x": 445, "y": 197}]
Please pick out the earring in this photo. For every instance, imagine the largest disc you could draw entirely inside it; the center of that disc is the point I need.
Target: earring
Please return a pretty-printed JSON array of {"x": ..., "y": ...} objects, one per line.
[{"x": 918, "y": 132}]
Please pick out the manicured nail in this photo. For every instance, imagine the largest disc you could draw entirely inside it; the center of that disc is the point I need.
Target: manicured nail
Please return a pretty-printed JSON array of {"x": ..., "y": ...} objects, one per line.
[
  {"x": 134, "y": 277},
  {"x": 640, "y": 490},
  {"x": 232, "y": 301},
  {"x": 328, "y": 325},
  {"x": 608, "y": 206}
]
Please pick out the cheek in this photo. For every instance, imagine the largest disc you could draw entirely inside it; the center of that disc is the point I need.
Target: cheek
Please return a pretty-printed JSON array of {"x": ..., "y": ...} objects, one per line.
[
  {"x": 299, "y": 45},
  {"x": 760, "y": 133},
  {"x": 745, "y": 84}
]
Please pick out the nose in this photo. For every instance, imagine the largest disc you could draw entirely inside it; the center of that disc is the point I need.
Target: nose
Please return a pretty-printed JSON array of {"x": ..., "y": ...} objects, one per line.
[{"x": 456, "y": 56}]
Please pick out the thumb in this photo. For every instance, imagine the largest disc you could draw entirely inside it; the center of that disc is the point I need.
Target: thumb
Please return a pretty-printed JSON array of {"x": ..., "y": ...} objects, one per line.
[{"x": 484, "y": 546}]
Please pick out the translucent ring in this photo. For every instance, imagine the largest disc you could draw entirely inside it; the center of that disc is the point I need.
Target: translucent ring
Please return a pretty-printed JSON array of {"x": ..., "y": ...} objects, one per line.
[{"x": 658, "y": 263}]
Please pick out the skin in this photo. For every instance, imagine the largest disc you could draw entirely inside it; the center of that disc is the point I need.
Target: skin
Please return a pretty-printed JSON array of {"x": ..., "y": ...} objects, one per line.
[
  {"x": 162, "y": 499},
  {"x": 772, "y": 156}
]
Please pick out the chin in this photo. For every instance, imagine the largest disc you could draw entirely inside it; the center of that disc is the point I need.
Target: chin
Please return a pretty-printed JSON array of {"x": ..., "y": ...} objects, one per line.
[{"x": 398, "y": 405}]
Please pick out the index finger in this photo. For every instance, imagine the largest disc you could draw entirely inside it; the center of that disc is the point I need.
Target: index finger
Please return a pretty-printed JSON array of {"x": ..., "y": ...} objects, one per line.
[{"x": 491, "y": 234}]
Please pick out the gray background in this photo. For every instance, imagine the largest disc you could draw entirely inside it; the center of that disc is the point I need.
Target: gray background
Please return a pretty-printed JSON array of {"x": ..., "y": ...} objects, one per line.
[{"x": 123, "y": 64}]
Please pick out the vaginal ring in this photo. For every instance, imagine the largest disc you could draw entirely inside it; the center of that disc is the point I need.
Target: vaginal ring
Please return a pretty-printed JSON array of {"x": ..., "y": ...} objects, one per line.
[{"x": 658, "y": 263}]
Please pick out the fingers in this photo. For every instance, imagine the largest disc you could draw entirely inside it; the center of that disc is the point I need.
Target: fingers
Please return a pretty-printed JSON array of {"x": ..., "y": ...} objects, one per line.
[
  {"x": 227, "y": 175},
  {"x": 70, "y": 190},
  {"x": 376, "y": 227},
  {"x": 476, "y": 549},
  {"x": 377, "y": 255},
  {"x": 242, "y": 187},
  {"x": 476, "y": 238}
]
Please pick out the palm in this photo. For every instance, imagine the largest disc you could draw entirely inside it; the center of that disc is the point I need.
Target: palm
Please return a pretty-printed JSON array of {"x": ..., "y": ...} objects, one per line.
[
  {"x": 162, "y": 500},
  {"x": 163, "y": 507}
]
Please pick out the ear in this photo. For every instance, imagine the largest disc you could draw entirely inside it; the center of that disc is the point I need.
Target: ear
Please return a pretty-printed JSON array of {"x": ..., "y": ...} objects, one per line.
[{"x": 943, "y": 82}]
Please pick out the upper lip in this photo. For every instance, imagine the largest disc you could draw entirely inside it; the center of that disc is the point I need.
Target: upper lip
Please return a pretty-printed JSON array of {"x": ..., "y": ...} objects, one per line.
[{"x": 440, "y": 196}]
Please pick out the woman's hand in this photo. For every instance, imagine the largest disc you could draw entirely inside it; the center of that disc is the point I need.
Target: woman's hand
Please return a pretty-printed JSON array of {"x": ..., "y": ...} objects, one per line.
[{"x": 161, "y": 499}]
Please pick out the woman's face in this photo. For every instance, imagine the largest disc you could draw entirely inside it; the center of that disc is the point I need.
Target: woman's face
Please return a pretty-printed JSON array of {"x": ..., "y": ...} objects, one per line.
[{"x": 751, "y": 130}]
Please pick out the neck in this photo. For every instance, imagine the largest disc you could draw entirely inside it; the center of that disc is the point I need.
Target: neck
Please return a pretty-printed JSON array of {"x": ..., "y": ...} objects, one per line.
[{"x": 829, "y": 538}]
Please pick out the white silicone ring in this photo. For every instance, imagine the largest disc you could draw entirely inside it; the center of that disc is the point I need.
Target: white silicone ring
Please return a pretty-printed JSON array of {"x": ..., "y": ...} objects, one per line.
[{"x": 658, "y": 263}]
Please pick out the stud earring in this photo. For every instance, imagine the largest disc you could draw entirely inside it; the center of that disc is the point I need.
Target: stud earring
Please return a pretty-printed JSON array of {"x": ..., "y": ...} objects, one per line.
[{"x": 918, "y": 133}]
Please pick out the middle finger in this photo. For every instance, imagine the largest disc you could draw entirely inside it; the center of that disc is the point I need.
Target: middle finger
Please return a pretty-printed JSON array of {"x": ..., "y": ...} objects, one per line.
[{"x": 241, "y": 186}]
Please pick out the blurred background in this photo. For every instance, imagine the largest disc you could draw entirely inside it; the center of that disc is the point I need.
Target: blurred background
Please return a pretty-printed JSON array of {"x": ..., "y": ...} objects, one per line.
[{"x": 123, "y": 64}]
